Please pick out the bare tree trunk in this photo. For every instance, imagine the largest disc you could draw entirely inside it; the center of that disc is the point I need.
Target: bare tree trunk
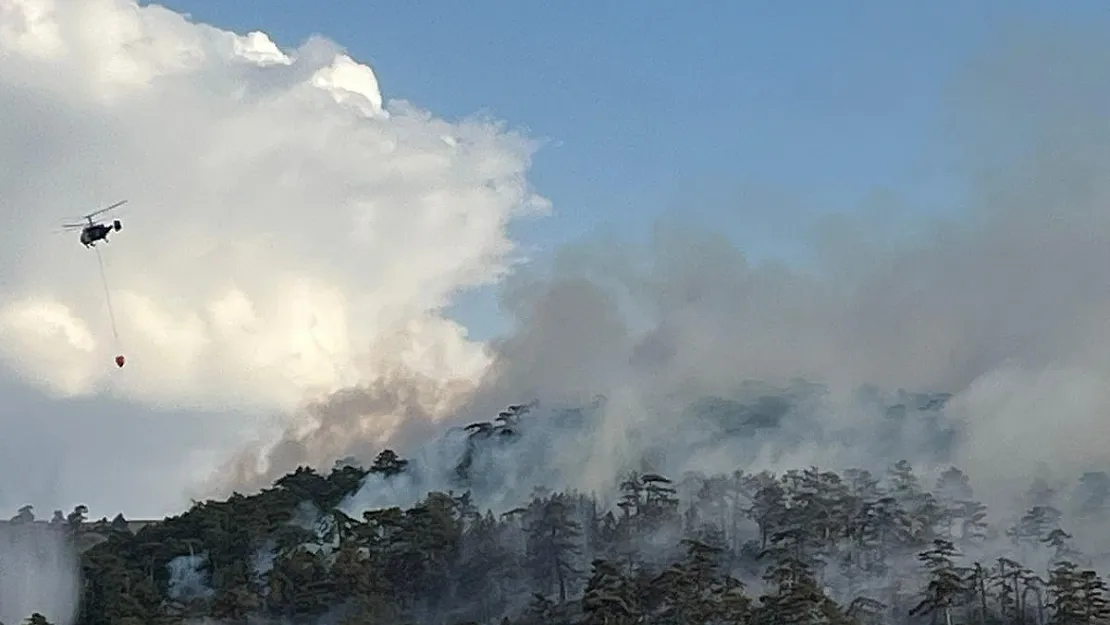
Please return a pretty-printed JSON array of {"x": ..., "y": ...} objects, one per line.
[
  {"x": 562, "y": 582},
  {"x": 982, "y": 597}
]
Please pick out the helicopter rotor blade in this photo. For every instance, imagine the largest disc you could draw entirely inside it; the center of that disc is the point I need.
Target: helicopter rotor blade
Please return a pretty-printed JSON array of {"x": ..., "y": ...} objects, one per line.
[{"x": 104, "y": 210}]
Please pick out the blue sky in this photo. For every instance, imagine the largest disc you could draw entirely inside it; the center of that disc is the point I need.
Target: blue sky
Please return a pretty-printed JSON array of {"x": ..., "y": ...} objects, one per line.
[{"x": 754, "y": 118}]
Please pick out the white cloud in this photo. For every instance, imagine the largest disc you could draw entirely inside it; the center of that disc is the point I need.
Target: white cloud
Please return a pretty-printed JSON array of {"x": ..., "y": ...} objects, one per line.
[{"x": 288, "y": 232}]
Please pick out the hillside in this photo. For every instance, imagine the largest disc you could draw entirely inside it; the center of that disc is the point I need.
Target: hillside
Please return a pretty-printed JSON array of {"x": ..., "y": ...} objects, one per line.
[{"x": 805, "y": 546}]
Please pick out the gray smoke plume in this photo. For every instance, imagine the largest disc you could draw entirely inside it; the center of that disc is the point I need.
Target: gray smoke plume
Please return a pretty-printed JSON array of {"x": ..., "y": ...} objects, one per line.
[
  {"x": 38, "y": 573},
  {"x": 688, "y": 357}
]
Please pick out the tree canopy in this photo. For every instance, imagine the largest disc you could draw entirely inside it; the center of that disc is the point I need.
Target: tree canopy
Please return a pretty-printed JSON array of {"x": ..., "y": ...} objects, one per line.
[{"x": 808, "y": 546}]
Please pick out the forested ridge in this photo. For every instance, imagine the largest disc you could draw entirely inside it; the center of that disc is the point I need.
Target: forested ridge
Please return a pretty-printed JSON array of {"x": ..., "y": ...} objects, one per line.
[{"x": 804, "y": 546}]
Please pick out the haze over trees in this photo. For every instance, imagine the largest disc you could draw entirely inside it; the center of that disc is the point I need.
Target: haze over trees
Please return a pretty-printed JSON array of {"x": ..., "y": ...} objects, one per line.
[{"x": 804, "y": 546}]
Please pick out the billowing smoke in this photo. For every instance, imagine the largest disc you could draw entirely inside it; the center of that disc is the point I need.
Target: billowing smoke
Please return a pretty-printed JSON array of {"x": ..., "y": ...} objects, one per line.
[
  {"x": 687, "y": 357},
  {"x": 294, "y": 237}
]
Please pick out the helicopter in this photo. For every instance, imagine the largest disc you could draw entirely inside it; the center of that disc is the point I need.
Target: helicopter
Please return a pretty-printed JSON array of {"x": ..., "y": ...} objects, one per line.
[{"x": 94, "y": 230}]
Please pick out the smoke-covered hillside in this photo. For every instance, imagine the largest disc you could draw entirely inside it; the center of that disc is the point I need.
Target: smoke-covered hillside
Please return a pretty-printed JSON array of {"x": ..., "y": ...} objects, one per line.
[
  {"x": 645, "y": 478},
  {"x": 494, "y": 543},
  {"x": 501, "y": 460},
  {"x": 994, "y": 292}
]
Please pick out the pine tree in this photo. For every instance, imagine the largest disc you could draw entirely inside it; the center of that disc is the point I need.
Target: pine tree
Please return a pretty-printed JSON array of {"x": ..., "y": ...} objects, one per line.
[
  {"x": 795, "y": 598},
  {"x": 553, "y": 544},
  {"x": 1067, "y": 602},
  {"x": 946, "y": 586},
  {"x": 609, "y": 598},
  {"x": 1094, "y": 591}
]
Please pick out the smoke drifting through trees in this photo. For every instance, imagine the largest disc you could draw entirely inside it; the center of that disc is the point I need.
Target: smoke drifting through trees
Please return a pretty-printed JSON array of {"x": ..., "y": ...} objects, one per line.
[
  {"x": 804, "y": 546},
  {"x": 684, "y": 363},
  {"x": 39, "y": 572},
  {"x": 1007, "y": 310}
]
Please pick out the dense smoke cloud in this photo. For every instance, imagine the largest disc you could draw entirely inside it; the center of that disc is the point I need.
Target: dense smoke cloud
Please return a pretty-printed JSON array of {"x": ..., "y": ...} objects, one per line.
[
  {"x": 1007, "y": 308},
  {"x": 293, "y": 236},
  {"x": 38, "y": 573}
]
